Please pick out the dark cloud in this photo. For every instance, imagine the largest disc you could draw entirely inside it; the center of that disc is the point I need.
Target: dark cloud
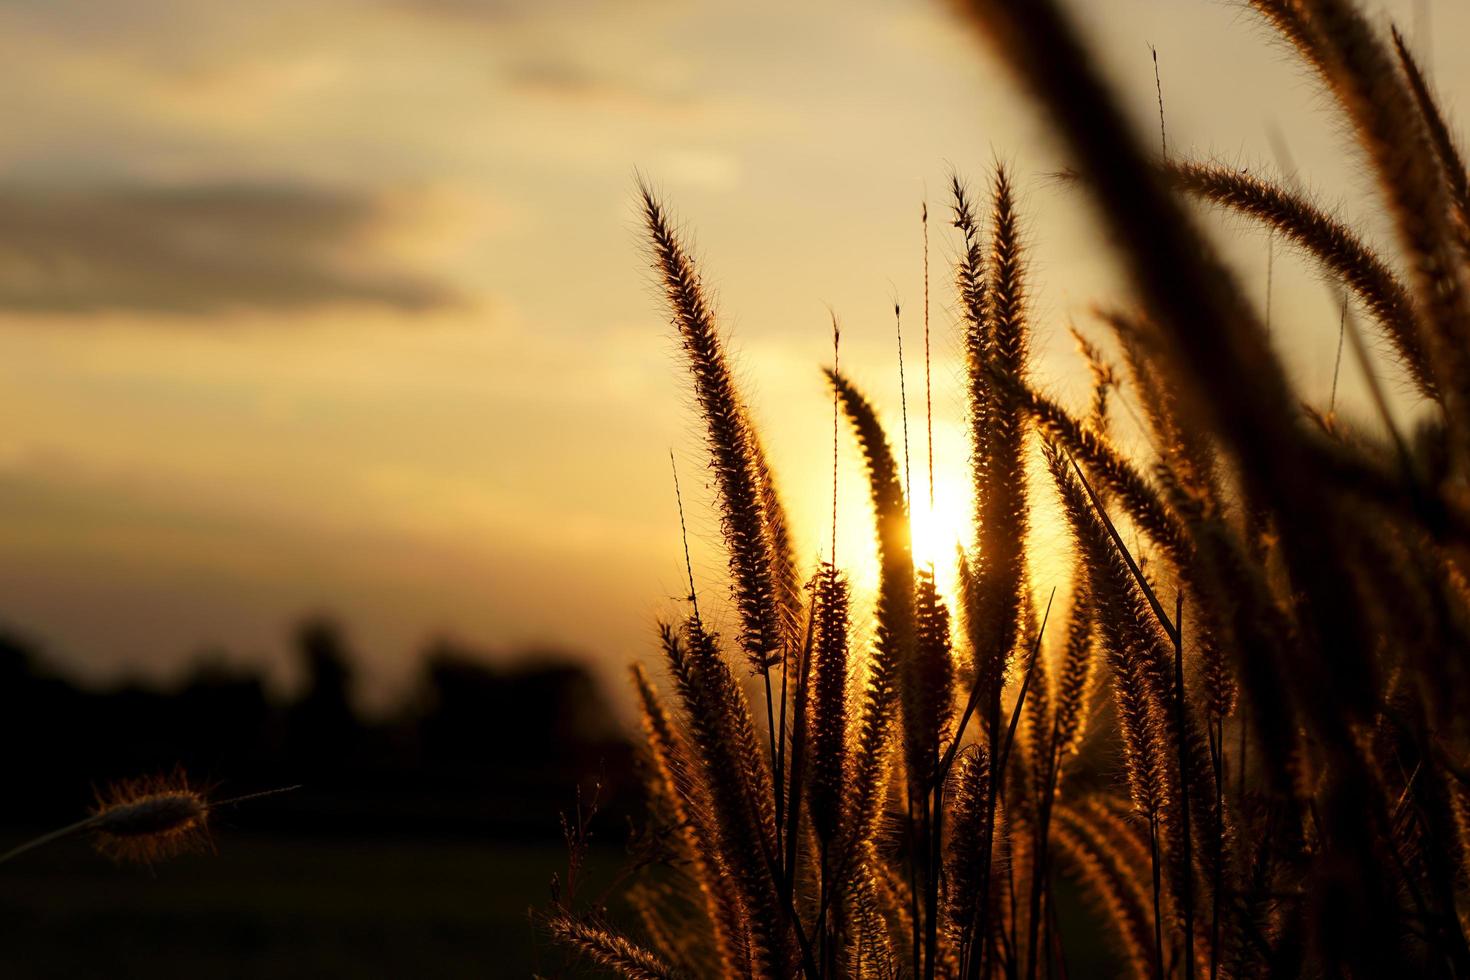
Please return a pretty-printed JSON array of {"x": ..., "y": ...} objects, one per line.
[
  {"x": 198, "y": 249},
  {"x": 565, "y": 80},
  {"x": 554, "y": 77},
  {"x": 470, "y": 9},
  {"x": 501, "y": 11}
]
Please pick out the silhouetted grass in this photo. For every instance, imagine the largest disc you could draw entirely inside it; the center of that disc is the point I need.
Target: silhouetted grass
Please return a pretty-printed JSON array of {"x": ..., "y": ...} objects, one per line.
[{"x": 1249, "y": 748}]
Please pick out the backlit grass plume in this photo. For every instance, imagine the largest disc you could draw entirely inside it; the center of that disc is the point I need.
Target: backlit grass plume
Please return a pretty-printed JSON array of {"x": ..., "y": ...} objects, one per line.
[
  {"x": 146, "y": 820},
  {"x": 1246, "y": 753},
  {"x": 1340, "y": 251}
]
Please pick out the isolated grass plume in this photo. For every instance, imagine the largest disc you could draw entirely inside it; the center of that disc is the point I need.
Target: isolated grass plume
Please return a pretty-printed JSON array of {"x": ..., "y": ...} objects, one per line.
[{"x": 146, "y": 820}]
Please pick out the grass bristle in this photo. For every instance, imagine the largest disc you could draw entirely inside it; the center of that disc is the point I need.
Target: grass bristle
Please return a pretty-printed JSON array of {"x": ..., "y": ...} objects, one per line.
[{"x": 610, "y": 949}]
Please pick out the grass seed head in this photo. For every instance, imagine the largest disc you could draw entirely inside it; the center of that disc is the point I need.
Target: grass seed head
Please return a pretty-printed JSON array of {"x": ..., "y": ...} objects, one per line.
[{"x": 147, "y": 820}]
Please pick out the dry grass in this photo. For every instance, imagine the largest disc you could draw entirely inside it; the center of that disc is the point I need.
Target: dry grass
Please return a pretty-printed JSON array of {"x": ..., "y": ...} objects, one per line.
[
  {"x": 1247, "y": 746},
  {"x": 146, "y": 820}
]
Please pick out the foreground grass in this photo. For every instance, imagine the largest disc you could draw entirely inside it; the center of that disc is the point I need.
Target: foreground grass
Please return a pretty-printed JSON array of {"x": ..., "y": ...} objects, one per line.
[{"x": 1248, "y": 743}]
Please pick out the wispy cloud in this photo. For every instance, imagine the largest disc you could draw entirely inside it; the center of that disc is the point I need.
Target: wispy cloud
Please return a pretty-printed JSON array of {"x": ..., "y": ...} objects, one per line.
[
  {"x": 499, "y": 11},
  {"x": 557, "y": 76},
  {"x": 200, "y": 249}
]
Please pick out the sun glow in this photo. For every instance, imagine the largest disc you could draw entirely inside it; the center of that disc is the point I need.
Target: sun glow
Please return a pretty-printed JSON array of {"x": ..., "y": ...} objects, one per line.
[
  {"x": 941, "y": 520},
  {"x": 939, "y": 530}
]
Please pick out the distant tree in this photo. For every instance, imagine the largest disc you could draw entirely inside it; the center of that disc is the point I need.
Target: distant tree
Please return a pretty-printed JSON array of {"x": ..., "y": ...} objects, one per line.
[{"x": 321, "y": 724}]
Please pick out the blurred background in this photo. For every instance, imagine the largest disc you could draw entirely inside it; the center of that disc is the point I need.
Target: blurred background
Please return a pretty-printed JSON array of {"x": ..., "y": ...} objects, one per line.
[
  {"x": 337, "y": 403},
  {"x": 413, "y": 845}
]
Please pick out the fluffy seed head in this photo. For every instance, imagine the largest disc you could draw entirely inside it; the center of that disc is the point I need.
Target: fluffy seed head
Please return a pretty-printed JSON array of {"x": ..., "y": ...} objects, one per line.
[{"x": 148, "y": 820}]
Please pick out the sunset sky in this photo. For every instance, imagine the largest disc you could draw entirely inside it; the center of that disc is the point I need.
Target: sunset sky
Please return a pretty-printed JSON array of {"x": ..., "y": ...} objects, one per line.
[{"x": 342, "y": 306}]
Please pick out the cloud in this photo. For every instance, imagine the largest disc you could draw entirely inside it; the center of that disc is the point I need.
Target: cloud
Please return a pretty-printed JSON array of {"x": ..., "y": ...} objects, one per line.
[
  {"x": 500, "y": 11},
  {"x": 558, "y": 77},
  {"x": 200, "y": 249}
]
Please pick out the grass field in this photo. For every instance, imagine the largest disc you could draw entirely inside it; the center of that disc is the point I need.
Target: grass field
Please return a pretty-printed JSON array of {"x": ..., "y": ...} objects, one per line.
[{"x": 275, "y": 907}]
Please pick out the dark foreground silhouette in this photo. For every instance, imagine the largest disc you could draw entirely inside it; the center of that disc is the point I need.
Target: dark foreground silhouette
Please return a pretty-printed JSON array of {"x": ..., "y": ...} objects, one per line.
[
  {"x": 494, "y": 752},
  {"x": 414, "y": 847}
]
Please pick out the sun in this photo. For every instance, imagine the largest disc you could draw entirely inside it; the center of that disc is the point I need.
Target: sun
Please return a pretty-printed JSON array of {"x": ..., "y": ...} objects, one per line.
[
  {"x": 941, "y": 520},
  {"x": 938, "y": 531}
]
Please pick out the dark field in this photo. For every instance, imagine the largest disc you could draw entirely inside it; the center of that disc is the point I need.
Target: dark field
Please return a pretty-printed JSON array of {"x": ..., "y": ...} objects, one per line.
[{"x": 282, "y": 907}]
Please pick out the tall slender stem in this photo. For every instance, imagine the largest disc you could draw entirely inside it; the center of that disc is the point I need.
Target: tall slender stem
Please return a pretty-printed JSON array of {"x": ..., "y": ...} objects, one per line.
[
  {"x": 1188, "y": 897},
  {"x": 1153, "y": 853}
]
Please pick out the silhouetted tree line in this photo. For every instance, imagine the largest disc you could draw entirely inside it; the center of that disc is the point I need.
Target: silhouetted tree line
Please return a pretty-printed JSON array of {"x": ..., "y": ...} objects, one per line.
[{"x": 473, "y": 749}]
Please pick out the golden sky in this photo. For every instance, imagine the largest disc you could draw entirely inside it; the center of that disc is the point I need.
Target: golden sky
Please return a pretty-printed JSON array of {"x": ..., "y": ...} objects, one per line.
[{"x": 341, "y": 305}]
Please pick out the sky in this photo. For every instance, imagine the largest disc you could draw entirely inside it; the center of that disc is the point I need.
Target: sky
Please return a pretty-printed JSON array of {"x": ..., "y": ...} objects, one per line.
[{"x": 342, "y": 307}]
